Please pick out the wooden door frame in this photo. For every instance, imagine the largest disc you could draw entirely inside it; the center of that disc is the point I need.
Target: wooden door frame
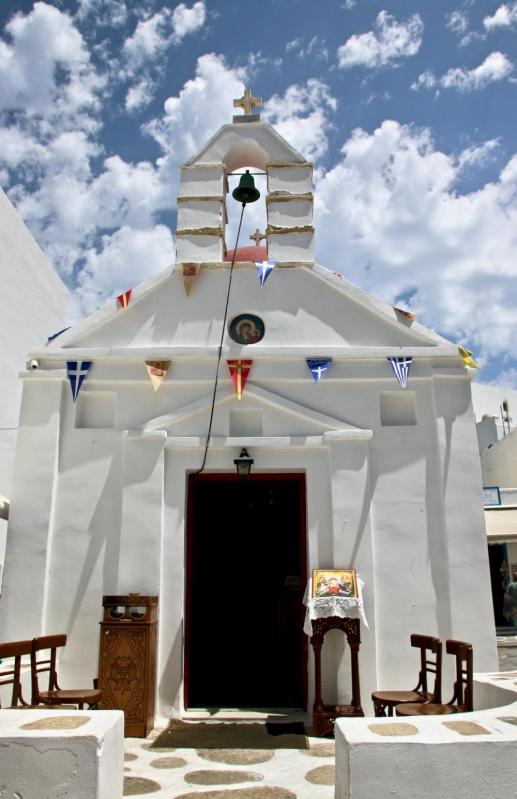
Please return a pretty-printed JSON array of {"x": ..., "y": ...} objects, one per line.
[{"x": 192, "y": 478}]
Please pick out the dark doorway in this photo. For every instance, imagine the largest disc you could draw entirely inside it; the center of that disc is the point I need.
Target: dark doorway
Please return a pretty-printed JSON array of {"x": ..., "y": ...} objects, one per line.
[
  {"x": 499, "y": 577},
  {"x": 246, "y": 575}
]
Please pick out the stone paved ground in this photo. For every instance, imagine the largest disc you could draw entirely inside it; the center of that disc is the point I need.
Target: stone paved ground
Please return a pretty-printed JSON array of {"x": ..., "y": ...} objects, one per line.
[
  {"x": 229, "y": 773},
  {"x": 240, "y": 773},
  {"x": 507, "y": 658}
]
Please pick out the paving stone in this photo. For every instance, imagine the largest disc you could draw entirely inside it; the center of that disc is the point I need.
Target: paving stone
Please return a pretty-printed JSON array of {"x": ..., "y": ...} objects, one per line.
[
  {"x": 508, "y": 719},
  {"x": 395, "y": 729},
  {"x": 168, "y": 762},
  {"x": 128, "y": 756},
  {"x": 159, "y": 750},
  {"x": 54, "y": 723},
  {"x": 263, "y": 792},
  {"x": 208, "y": 777},
  {"x": 322, "y": 775},
  {"x": 134, "y": 786},
  {"x": 466, "y": 727},
  {"x": 327, "y": 749},
  {"x": 237, "y": 757}
]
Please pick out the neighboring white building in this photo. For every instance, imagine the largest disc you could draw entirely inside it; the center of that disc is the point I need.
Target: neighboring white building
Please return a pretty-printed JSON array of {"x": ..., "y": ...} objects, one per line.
[
  {"x": 353, "y": 471},
  {"x": 488, "y": 402},
  {"x": 33, "y": 305},
  {"x": 498, "y": 449}
]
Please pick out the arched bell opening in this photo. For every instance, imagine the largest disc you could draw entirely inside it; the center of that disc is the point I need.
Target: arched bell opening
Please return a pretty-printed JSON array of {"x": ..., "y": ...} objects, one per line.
[{"x": 252, "y": 246}]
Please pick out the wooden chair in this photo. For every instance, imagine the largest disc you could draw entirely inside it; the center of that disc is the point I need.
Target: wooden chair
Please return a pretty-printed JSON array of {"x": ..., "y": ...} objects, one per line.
[
  {"x": 462, "y": 697},
  {"x": 385, "y": 701},
  {"x": 16, "y": 650},
  {"x": 55, "y": 695}
]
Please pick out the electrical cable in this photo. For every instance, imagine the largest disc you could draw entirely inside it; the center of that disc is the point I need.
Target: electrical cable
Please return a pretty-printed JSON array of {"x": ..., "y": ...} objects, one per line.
[{"x": 223, "y": 331}]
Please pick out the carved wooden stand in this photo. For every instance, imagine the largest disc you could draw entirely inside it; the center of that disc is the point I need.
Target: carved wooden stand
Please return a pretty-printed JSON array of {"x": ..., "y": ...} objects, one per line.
[
  {"x": 324, "y": 716},
  {"x": 127, "y": 661}
]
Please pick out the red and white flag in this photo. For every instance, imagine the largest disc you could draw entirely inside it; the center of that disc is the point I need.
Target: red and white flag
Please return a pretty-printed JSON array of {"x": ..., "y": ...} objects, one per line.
[
  {"x": 124, "y": 299},
  {"x": 239, "y": 372},
  {"x": 157, "y": 371}
]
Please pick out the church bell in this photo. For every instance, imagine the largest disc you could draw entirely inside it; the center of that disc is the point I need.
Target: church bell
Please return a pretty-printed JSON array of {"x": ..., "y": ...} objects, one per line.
[{"x": 246, "y": 191}]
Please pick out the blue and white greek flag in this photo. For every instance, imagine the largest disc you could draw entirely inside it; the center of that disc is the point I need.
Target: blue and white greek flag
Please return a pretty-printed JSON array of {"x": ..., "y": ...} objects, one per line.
[
  {"x": 55, "y": 335},
  {"x": 401, "y": 366},
  {"x": 77, "y": 371},
  {"x": 264, "y": 269},
  {"x": 318, "y": 366}
]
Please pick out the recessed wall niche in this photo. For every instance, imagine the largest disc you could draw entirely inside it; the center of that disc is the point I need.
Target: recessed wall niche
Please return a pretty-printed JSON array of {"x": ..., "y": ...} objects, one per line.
[
  {"x": 245, "y": 423},
  {"x": 95, "y": 409},
  {"x": 398, "y": 408}
]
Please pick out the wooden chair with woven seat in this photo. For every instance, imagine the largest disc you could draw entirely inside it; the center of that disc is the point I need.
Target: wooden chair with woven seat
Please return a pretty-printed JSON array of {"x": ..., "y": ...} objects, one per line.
[
  {"x": 462, "y": 698},
  {"x": 384, "y": 702},
  {"x": 55, "y": 695},
  {"x": 11, "y": 676}
]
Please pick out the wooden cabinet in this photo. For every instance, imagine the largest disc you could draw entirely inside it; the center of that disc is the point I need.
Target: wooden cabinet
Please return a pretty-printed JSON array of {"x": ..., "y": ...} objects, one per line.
[{"x": 127, "y": 660}]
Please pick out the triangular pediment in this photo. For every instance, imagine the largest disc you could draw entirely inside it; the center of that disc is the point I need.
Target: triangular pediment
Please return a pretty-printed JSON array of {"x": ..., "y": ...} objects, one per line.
[
  {"x": 306, "y": 311},
  {"x": 255, "y": 143},
  {"x": 259, "y": 413}
]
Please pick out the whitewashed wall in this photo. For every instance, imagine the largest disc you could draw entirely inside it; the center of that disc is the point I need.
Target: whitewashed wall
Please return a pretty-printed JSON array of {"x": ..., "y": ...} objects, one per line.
[
  {"x": 393, "y": 475},
  {"x": 33, "y": 305},
  {"x": 106, "y": 510}
]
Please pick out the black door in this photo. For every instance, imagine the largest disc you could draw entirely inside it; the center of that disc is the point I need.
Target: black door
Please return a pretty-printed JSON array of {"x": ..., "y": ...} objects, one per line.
[{"x": 246, "y": 576}]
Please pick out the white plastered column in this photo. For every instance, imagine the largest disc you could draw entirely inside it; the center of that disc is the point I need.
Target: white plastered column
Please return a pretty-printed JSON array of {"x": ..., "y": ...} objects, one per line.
[
  {"x": 142, "y": 509},
  {"x": 31, "y": 522},
  {"x": 352, "y": 547},
  {"x": 471, "y": 612}
]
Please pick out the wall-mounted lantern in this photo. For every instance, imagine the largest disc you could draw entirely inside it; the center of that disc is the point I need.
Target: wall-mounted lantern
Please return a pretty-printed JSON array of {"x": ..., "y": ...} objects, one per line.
[{"x": 243, "y": 463}]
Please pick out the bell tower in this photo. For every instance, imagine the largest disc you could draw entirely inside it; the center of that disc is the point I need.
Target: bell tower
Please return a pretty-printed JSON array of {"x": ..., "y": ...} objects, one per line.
[{"x": 202, "y": 218}]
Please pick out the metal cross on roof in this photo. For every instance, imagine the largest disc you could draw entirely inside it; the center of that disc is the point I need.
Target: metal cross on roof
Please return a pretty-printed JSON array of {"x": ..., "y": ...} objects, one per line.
[
  {"x": 247, "y": 102},
  {"x": 258, "y": 236}
]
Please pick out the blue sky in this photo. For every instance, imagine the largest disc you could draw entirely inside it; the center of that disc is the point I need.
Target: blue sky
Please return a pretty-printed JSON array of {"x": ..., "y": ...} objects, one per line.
[{"x": 408, "y": 110}]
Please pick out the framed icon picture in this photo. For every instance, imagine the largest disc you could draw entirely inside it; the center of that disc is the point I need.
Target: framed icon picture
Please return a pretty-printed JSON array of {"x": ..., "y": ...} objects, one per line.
[
  {"x": 334, "y": 582},
  {"x": 246, "y": 329}
]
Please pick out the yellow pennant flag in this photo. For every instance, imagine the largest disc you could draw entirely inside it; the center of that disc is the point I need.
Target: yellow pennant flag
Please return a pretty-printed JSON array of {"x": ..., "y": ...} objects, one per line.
[
  {"x": 467, "y": 358},
  {"x": 157, "y": 371}
]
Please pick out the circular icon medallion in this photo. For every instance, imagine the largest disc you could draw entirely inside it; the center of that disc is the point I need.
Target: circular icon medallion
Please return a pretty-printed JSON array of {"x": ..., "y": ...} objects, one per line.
[{"x": 246, "y": 329}]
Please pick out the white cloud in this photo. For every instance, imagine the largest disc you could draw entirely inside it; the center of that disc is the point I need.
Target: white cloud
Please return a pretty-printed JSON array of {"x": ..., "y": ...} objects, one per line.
[
  {"x": 495, "y": 67},
  {"x": 154, "y": 35},
  {"x": 125, "y": 259},
  {"x": 301, "y": 116},
  {"x": 390, "y": 41},
  {"x": 150, "y": 39},
  {"x": 507, "y": 378},
  {"x": 315, "y": 48},
  {"x": 478, "y": 155},
  {"x": 40, "y": 42},
  {"x": 204, "y": 104},
  {"x": 187, "y": 20},
  {"x": 389, "y": 216},
  {"x": 457, "y": 22},
  {"x": 145, "y": 50},
  {"x": 104, "y": 12},
  {"x": 504, "y": 17},
  {"x": 139, "y": 95}
]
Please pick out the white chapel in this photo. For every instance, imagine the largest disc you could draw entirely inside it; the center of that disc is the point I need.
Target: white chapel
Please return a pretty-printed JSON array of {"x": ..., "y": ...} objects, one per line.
[{"x": 125, "y": 479}]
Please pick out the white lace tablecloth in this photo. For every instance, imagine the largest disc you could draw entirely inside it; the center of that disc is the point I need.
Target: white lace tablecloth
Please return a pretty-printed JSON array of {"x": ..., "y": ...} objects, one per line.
[{"x": 324, "y": 606}]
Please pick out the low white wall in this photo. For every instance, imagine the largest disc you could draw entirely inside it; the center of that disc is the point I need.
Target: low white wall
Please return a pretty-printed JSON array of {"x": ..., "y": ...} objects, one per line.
[
  {"x": 465, "y": 755},
  {"x": 72, "y": 753}
]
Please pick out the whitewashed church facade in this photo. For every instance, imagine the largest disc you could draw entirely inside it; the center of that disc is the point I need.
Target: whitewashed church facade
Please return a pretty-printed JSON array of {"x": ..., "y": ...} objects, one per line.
[{"x": 353, "y": 471}]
